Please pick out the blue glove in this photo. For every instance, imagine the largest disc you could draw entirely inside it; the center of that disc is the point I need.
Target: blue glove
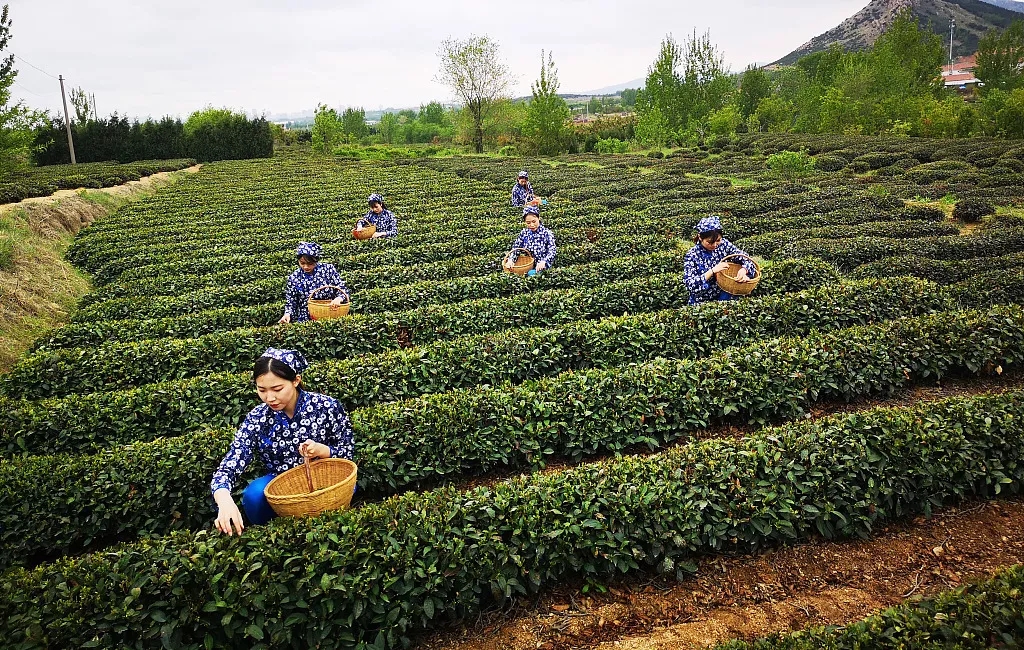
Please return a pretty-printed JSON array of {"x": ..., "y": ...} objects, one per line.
[
  {"x": 531, "y": 272},
  {"x": 543, "y": 201}
]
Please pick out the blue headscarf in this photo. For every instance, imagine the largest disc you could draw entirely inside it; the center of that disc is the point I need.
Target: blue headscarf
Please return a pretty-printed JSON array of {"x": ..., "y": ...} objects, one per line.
[
  {"x": 523, "y": 174},
  {"x": 309, "y": 248},
  {"x": 531, "y": 209},
  {"x": 291, "y": 358},
  {"x": 708, "y": 224},
  {"x": 375, "y": 198}
]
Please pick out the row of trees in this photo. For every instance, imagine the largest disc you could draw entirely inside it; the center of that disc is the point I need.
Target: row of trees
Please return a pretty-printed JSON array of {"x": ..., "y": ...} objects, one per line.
[
  {"x": 210, "y": 134},
  {"x": 893, "y": 88}
]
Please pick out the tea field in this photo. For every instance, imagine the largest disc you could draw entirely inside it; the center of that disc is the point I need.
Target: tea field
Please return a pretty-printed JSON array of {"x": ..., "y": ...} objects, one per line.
[{"x": 515, "y": 435}]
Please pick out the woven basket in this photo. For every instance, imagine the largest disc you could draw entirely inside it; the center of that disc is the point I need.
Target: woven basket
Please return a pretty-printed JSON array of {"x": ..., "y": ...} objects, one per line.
[
  {"x": 727, "y": 279},
  {"x": 366, "y": 232},
  {"x": 523, "y": 261},
  {"x": 313, "y": 487},
  {"x": 321, "y": 309}
]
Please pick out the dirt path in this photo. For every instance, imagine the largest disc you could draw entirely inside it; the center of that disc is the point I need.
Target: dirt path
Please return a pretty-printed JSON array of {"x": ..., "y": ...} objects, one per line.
[
  {"x": 68, "y": 211},
  {"x": 781, "y": 590}
]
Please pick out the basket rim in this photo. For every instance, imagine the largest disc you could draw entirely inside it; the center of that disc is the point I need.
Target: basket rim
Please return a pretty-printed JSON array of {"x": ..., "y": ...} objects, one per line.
[{"x": 307, "y": 495}]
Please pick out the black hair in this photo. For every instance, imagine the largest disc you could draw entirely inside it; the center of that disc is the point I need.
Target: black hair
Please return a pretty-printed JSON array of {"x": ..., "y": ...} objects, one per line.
[
  {"x": 278, "y": 368},
  {"x": 713, "y": 235},
  {"x": 312, "y": 259}
]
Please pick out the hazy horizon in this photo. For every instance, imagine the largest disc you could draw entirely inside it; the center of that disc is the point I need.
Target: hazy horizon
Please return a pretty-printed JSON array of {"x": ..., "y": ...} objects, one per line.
[{"x": 265, "y": 59}]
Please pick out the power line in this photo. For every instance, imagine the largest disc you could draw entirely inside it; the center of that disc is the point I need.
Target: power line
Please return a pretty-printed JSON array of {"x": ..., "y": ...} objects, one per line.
[
  {"x": 34, "y": 66},
  {"x": 29, "y": 91}
]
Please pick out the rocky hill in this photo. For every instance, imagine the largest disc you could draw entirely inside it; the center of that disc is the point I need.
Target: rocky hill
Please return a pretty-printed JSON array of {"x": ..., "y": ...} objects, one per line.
[{"x": 973, "y": 19}]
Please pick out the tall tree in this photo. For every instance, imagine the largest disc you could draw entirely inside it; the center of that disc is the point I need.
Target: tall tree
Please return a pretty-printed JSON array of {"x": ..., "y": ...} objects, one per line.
[
  {"x": 906, "y": 60},
  {"x": 326, "y": 131},
  {"x": 754, "y": 86},
  {"x": 388, "y": 127},
  {"x": 474, "y": 72},
  {"x": 706, "y": 81},
  {"x": 353, "y": 123},
  {"x": 83, "y": 106},
  {"x": 15, "y": 127},
  {"x": 547, "y": 114},
  {"x": 657, "y": 102},
  {"x": 1001, "y": 58}
]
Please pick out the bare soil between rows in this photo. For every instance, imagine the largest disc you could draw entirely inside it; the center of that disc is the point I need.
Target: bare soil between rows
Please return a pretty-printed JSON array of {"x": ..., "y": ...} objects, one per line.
[{"x": 785, "y": 589}]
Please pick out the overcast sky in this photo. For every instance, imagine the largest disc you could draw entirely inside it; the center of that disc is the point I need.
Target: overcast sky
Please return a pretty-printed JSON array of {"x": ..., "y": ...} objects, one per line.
[{"x": 170, "y": 58}]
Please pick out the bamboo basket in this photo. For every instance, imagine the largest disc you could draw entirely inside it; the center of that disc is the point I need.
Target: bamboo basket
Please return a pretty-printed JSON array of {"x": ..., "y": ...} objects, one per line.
[
  {"x": 365, "y": 233},
  {"x": 313, "y": 487},
  {"x": 523, "y": 261},
  {"x": 727, "y": 279},
  {"x": 321, "y": 309}
]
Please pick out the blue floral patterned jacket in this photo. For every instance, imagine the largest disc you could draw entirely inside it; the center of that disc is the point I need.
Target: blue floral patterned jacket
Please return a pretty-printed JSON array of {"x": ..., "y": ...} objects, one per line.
[
  {"x": 274, "y": 439},
  {"x": 699, "y": 261},
  {"x": 386, "y": 222},
  {"x": 522, "y": 195},
  {"x": 300, "y": 284},
  {"x": 540, "y": 243}
]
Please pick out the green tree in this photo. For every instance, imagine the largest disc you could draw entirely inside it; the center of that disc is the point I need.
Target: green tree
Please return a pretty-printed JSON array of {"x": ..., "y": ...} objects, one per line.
[
  {"x": 1001, "y": 57},
  {"x": 326, "y": 132},
  {"x": 774, "y": 114},
  {"x": 652, "y": 128},
  {"x": 433, "y": 113},
  {"x": 15, "y": 119},
  {"x": 353, "y": 123},
  {"x": 754, "y": 86},
  {"x": 661, "y": 93},
  {"x": 628, "y": 97},
  {"x": 82, "y": 105},
  {"x": 906, "y": 60},
  {"x": 388, "y": 128},
  {"x": 547, "y": 113},
  {"x": 707, "y": 84},
  {"x": 725, "y": 120},
  {"x": 474, "y": 72}
]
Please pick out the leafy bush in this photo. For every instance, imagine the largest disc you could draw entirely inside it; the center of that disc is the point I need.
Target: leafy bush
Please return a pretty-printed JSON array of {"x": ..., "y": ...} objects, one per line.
[
  {"x": 829, "y": 163},
  {"x": 299, "y": 583},
  {"x": 972, "y": 210},
  {"x": 611, "y": 145}
]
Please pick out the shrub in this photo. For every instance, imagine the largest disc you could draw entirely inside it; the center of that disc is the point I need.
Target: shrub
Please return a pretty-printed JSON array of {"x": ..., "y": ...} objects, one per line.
[
  {"x": 829, "y": 163},
  {"x": 790, "y": 164},
  {"x": 972, "y": 210}
]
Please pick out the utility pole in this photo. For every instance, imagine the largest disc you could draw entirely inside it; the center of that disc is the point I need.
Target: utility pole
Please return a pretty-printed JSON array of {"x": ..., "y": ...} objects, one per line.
[
  {"x": 67, "y": 121},
  {"x": 93, "y": 101},
  {"x": 952, "y": 26}
]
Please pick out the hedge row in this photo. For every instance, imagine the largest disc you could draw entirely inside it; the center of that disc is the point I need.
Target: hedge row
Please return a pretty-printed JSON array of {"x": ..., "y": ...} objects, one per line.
[
  {"x": 982, "y": 615},
  {"x": 43, "y": 181},
  {"x": 853, "y": 252},
  {"x": 361, "y": 279},
  {"x": 374, "y": 575},
  {"x": 769, "y": 244},
  {"x": 942, "y": 271},
  {"x": 574, "y": 272},
  {"x": 121, "y": 365},
  {"x": 96, "y": 421},
  {"x": 154, "y": 487}
]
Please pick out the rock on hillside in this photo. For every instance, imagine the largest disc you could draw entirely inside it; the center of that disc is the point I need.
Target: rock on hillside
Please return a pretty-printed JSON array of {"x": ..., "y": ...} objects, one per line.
[{"x": 973, "y": 19}]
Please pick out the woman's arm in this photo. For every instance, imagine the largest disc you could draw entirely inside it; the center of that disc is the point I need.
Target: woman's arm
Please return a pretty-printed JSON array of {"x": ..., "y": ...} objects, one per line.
[
  {"x": 387, "y": 224},
  {"x": 549, "y": 257},
  {"x": 340, "y": 437},
  {"x": 292, "y": 298},
  {"x": 731, "y": 249},
  {"x": 237, "y": 459}
]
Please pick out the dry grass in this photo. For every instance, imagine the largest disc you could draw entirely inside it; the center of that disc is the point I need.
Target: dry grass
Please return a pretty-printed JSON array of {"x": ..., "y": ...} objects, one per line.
[{"x": 38, "y": 287}]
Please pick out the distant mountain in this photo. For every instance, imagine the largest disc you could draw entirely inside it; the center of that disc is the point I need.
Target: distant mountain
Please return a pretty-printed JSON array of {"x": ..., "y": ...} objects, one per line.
[
  {"x": 611, "y": 90},
  {"x": 1012, "y": 5},
  {"x": 973, "y": 19}
]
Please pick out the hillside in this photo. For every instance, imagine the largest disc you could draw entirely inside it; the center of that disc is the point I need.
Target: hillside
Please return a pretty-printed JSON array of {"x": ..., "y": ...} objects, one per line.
[
  {"x": 973, "y": 19},
  {"x": 1012, "y": 5}
]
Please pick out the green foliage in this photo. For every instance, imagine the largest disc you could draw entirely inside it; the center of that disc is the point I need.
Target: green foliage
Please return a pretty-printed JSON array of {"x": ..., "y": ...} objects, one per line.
[
  {"x": 547, "y": 114},
  {"x": 474, "y": 72},
  {"x": 16, "y": 120},
  {"x": 353, "y": 123},
  {"x": 790, "y": 164},
  {"x": 611, "y": 145},
  {"x": 327, "y": 129},
  {"x": 1000, "y": 55},
  {"x": 42, "y": 181},
  {"x": 388, "y": 128},
  {"x": 431, "y": 555},
  {"x": 972, "y": 210},
  {"x": 755, "y": 85}
]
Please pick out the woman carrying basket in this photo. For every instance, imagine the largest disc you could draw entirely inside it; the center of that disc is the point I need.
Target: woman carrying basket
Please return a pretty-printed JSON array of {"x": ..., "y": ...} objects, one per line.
[
  {"x": 311, "y": 277},
  {"x": 535, "y": 238},
  {"x": 379, "y": 216},
  {"x": 290, "y": 425},
  {"x": 707, "y": 258}
]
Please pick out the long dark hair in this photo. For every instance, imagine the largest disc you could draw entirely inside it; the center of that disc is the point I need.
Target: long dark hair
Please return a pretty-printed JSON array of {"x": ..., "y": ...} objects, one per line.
[{"x": 713, "y": 235}]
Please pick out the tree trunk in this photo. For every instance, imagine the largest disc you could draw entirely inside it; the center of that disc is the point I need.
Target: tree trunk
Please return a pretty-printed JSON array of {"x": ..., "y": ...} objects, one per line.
[{"x": 478, "y": 136}]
